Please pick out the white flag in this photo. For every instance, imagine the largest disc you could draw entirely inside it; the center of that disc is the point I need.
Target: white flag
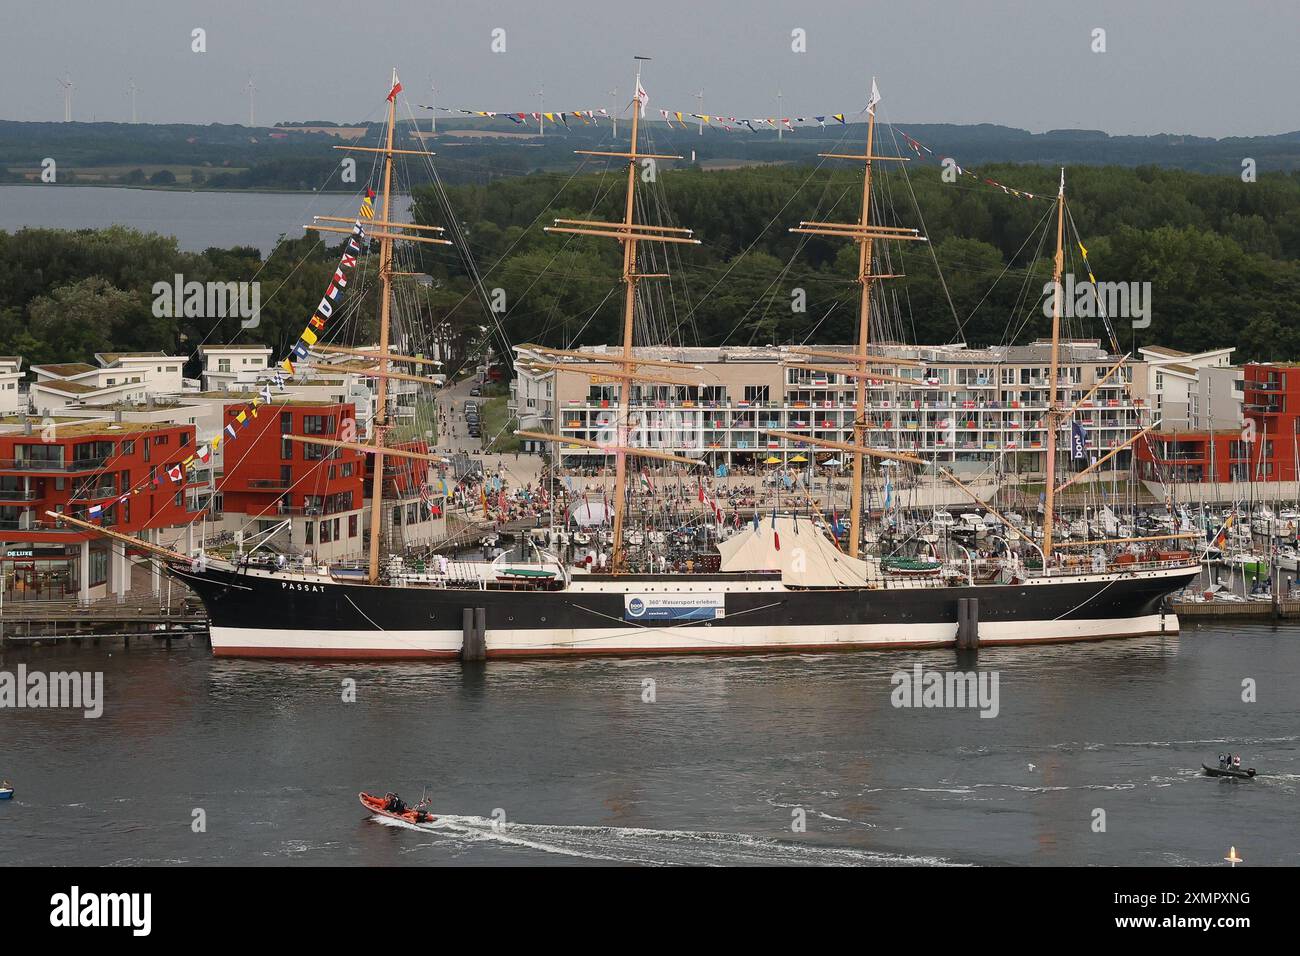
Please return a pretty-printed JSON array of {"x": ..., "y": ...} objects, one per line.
[
  {"x": 642, "y": 97},
  {"x": 875, "y": 97}
]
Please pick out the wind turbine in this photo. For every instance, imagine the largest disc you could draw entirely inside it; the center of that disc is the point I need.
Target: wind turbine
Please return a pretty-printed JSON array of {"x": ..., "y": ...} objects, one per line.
[
  {"x": 67, "y": 85},
  {"x": 700, "y": 96},
  {"x": 779, "y": 107},
  {"x": 614, "y": 113},
  {"x": 250, "y": 89},
  {"x": 541, "y": 115},
  {"x": 132, "y": 89},
  {"x": 433, "y": 108}
]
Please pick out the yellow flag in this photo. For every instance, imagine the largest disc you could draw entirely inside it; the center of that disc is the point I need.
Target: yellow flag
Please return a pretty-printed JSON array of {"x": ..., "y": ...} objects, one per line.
[{"x": 309, "y": 336}]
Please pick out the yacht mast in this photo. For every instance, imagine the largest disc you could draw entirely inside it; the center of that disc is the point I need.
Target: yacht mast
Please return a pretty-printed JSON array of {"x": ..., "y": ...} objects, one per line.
[{"x": 1052, "y": 420}]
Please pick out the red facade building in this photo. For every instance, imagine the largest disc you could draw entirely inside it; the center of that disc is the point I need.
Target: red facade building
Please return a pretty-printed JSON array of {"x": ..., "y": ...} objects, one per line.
[
  {"x": 1271, "y": 400},
  {"x": 267, "y": 479},
  {"x": 1264, "y": 449},
  {"x": 70, "y": 468}
]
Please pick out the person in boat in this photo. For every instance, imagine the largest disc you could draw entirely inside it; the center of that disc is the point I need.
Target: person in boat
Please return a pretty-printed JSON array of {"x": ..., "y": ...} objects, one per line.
[
  {"x": 1236, "y": 761},
  {"x": 1223, "y": 761},
  {"x": 393, "y": 803}
]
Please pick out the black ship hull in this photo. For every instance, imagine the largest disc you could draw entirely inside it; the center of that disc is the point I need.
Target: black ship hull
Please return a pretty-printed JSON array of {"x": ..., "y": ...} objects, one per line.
[{"x": 293, "y": 615}]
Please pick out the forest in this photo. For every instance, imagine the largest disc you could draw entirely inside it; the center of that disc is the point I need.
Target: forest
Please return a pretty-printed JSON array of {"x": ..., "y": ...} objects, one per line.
[{"x": 1222, "y": 257}]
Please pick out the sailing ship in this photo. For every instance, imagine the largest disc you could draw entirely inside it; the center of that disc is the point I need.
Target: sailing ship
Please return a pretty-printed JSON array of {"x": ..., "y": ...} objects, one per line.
[{"x": 783, "y": 583}]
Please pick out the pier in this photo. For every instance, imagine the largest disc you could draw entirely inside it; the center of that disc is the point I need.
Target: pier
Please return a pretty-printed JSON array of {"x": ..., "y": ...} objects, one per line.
[{"x": 140, "y": 614}]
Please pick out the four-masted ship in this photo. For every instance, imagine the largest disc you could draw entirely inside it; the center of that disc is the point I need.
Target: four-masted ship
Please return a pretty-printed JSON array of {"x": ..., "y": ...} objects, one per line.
[{"x": 782, "y": 583}]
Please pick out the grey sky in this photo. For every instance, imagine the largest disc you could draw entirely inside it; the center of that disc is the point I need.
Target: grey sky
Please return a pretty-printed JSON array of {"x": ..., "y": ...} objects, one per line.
[{"x": 1206, "y": 67}]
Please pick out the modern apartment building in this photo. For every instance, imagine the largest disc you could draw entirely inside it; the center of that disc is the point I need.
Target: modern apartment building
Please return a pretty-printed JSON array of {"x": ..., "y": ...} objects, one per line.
[
  {"x": 119, "y": 376},
  {"x": 967, "y": 409},
  {"x": 69, "y": 466},
  {"x": 1261, "y": 445}
]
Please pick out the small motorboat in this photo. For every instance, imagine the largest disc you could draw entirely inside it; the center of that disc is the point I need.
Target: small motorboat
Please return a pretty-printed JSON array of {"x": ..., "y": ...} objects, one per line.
[
  {"x": 1240, "y": 773},
  {"x": 6, "y": 790},
  {"x": 391, "y": 805}
]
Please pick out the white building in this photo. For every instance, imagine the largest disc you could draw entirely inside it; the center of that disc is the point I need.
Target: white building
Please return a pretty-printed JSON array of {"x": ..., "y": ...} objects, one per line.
[
  {"x": 1172, "y": 380},
  {"x": 119, "y": 377},
  {"x": 233, "y": 367},
  {"x": 12, "y": 398}
]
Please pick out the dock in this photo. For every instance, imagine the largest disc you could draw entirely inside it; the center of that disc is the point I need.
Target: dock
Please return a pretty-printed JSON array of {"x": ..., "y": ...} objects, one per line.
[
  {"x": 1259, "y": 610},
  {"x": 139, "y": 614}
]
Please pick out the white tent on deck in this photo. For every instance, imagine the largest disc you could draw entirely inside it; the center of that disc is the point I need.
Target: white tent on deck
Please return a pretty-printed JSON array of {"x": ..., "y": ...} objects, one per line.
[{"x": 797, "y": 548}]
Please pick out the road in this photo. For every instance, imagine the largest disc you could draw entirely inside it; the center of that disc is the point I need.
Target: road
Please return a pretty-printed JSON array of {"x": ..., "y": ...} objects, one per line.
[{"x": 518, "y": 470}]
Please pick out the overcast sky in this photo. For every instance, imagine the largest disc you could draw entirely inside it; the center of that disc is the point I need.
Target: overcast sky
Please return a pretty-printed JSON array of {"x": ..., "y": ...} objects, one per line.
[{"x": 1207, "y": 67}]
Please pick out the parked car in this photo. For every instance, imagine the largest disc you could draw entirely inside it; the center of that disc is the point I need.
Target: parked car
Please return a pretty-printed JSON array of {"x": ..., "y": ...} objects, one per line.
[{"x": 476, "y": 390}]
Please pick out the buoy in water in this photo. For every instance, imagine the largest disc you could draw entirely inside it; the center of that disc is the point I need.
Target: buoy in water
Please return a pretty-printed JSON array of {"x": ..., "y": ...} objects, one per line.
[{"x": 1232, "y": 856}]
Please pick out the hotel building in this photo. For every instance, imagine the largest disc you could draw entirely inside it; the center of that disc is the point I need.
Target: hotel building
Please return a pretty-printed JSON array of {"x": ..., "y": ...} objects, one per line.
[{"x": 968, "y": 408}]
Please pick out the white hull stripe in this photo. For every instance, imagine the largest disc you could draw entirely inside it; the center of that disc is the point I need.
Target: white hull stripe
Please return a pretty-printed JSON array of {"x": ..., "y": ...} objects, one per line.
[{"x": 721, "y": 639}]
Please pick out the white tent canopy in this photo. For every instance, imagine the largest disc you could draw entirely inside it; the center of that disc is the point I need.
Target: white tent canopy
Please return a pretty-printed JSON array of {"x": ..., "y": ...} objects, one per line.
[
  {"x": 805, "y": 557},
  {"x": 590, "y": 514}
]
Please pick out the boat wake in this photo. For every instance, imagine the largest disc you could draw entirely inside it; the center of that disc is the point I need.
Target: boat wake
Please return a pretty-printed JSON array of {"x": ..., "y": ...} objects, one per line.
[{"x": 645, "y": 847}]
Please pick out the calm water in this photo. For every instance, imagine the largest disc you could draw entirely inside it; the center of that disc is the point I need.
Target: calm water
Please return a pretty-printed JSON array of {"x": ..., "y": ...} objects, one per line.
[
  {"x": 709, "y": 773},
  {"x": 198, "y": 219}
]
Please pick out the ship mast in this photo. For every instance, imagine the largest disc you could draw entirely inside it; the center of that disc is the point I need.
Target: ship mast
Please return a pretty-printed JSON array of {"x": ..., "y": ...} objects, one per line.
[
  {"x": 387, "y": 232},
  {"x": 381, "y": 388},
  {"x": 1053, "y": 412},
  {"x": 629, "y": 232},
  {"x": 863, "y": 233}
]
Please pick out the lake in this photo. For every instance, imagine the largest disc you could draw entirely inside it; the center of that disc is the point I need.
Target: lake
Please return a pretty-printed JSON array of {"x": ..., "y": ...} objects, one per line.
[{"x": 197, "y": 219}]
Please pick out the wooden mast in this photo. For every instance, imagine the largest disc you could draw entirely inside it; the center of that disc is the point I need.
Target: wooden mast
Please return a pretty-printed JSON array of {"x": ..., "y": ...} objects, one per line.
[
  {"x": 1053, "y": 413},
  {"x": 629, "y": 232},
  {"x": 629, "y": 312},
  {"x": 863, "y": 233},
  {"x": 381, "y": 386}
]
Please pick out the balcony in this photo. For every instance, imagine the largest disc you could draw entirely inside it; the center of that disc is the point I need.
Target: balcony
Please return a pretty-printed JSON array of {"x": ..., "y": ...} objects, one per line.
[
  {"x": 18, "y": 494},
  {"x": 37, "y": 464}
]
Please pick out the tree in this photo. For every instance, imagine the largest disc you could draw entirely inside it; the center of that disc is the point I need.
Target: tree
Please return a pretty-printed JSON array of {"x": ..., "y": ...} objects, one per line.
[{"x": 75, "y": 321}]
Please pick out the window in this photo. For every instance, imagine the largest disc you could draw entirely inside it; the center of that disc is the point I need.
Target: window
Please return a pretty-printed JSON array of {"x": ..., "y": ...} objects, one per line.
[
  {"x": 98, "y": 571},
  {"x": 311, "y": 530},
  {"x": 352, "y": 526},
  {"x": 161, "y": 439},
  {"x": 223, "y": 365},
  {"x": 185, "y": 439},
  {"x": 48, "y": 455},
  {"x": 128, "y": 447},
  {"x": 756, "y": 393},
  {"x": 324, "y": 532},
  {"x": 318, "y": 424}
]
